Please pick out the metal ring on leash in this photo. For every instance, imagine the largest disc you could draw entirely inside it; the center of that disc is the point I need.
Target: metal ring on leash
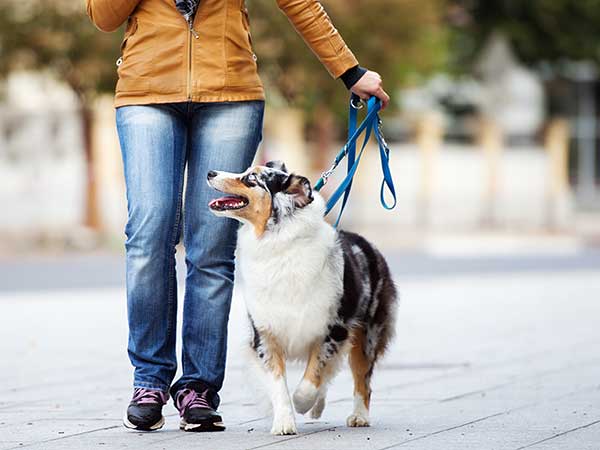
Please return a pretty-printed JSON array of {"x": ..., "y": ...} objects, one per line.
[{"x": 360, "y": 104}]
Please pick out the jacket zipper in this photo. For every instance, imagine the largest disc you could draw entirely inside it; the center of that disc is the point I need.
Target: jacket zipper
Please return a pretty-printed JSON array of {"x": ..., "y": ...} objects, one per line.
[{"x": 189, "y": 72}]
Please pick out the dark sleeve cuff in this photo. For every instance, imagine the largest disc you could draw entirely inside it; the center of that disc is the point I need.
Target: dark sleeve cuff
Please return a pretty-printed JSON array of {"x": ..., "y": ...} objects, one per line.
[{"x": 351, "y": 76}]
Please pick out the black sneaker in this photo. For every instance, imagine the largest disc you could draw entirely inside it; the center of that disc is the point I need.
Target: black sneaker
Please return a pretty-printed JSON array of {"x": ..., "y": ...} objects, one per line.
[
  {"x": 145, "y": 410},
  {"x": 194, "y": 403}
]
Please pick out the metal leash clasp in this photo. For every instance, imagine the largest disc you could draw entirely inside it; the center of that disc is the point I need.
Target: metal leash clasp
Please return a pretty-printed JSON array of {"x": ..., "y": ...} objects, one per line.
[
  {"x": 327, "y": 174},
  {"x": 381, "y": 136}
]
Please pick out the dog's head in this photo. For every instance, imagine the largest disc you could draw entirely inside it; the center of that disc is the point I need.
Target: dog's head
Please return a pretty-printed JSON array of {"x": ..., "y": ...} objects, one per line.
[{"x": 260, "y": 195}]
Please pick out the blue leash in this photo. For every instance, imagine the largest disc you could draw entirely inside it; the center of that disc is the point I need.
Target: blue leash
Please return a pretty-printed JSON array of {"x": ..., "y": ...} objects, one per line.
[{"x": 371, "y": 124}]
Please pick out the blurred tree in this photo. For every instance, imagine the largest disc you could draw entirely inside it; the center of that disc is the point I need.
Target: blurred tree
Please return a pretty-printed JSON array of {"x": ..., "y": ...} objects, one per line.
[
  {"x": 403, "y": 40},
  {"x": 540, "y": 30},
  {"x": 56, "y": 36}
]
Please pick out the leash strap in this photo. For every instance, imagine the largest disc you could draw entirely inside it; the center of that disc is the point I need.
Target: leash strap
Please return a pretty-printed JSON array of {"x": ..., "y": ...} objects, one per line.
[{"x": 371, "y": 124}]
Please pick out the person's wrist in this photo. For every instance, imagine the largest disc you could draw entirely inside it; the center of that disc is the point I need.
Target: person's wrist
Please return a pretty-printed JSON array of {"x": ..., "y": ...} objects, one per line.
[{"x": 352, "y": 75}]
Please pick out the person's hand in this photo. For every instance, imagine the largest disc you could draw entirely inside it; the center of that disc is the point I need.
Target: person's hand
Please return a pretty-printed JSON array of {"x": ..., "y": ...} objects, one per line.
[{"x": 370, "y": 84}]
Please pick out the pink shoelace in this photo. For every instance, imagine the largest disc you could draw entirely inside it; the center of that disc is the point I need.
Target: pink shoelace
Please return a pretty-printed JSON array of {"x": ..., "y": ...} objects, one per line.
[
  {"x": 143, "y": 396},
  {"x": 188, "y": 399}
]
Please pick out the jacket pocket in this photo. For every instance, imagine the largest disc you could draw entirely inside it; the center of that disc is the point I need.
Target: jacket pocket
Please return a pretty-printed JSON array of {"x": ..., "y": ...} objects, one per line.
[
  {"x": 241, "y": 60},
  {"x": 136, "y": 54},
  {"x": 129, "y": 31},
  {"x": 246, "y": 22},
  {"x": 132, "y": 25}
]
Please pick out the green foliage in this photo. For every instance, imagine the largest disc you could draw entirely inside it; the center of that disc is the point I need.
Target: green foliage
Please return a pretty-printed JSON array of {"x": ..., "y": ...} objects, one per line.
[
  {"x": 540, "y": 30},
  {"x": 57, "y": 36},
  {"x": 403, "y": 40}
]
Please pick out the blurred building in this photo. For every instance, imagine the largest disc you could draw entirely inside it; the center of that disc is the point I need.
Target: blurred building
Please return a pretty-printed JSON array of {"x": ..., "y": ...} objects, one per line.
[
  {"x": 42, "y": 169},
  {"x": 480, "y": 152}
]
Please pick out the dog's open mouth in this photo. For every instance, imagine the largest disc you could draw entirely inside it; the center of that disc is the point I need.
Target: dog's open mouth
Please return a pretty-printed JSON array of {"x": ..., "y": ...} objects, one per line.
[{"x": 228, "y": 202}]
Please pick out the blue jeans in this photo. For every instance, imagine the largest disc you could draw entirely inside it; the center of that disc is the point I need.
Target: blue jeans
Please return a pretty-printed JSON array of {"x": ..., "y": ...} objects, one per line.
[{"x": 157, "y": 143}]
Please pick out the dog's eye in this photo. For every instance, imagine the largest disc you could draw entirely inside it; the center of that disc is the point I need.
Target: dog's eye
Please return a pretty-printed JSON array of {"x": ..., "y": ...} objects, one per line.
[{"x": 252, "y": 178}]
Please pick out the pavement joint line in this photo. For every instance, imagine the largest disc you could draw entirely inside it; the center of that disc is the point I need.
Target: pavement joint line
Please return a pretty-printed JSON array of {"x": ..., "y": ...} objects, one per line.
[
  {"x": 425, "y": 436},
  {"x": 404, "y": 385},
  {"x": 68, "y": 436},
  {"x": 560, "y": 434},
  {"x": 482, "y": 368},
  {"x": 253, "y": 420},
  {"x": 500, "y": 413},
  {"x": 541, "y": 373},
  {"x": 184, "y": 435},
  {"x": 293, "y": 437}
]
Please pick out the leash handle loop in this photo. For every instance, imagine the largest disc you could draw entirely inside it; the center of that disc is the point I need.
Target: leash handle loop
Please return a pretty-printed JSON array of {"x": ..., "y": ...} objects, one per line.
[
  {"x": 388, "y": 181},
  {"x": 353, "y": 134},
  {"x": 371, "y": 124}
]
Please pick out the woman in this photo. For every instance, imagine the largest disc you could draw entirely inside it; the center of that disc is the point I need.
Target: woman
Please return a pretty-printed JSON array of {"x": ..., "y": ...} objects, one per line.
[{"x": 189, "y": 95}]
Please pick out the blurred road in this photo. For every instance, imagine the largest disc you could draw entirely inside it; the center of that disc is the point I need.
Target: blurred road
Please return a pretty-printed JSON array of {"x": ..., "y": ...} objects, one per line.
[
  {"x": 101, "y": 270},
  {"x": 492, "y": 352}
]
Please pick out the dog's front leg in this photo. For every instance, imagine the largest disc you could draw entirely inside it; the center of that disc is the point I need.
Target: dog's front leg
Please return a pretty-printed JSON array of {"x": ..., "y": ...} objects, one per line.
[
  {"x": 272, "y": 358},
  {"x": 307, "y": 392},
  {"x": 322, "y": 362},
  {"x": 283, "y": 414}
]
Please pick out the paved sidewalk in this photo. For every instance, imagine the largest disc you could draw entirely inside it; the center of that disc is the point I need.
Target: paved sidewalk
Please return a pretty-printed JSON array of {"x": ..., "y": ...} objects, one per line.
[{"x": 490, "y": 359}]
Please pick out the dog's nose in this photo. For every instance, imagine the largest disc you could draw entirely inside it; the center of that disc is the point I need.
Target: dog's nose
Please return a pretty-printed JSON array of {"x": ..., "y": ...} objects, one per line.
[{"x": 211, "y": 174}]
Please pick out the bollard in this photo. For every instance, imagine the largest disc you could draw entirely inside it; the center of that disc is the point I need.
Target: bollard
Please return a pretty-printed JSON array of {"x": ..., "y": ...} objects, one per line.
[
  {"x": 556, "y": 143},
  {"x": 491, "y": 142},
  {"x": 429, "y": 133}
]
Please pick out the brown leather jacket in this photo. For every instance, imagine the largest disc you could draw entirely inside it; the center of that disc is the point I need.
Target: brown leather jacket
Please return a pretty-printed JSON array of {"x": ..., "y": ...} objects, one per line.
[{"x": 163, "y": 61}]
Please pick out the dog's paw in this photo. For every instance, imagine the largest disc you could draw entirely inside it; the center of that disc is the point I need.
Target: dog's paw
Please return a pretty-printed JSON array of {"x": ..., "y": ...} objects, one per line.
[
  {"x": 283, "y": 425},
  {"x": 357, "y": 420},
  {"x": 305, "y": 396},
  {"x": 317, "y": 410}
]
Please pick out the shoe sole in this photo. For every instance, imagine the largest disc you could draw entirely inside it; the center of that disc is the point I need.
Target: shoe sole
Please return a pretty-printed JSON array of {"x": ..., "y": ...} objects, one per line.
[
  {"x": 157, "y": 426},
  {"x": 204, "y": 426}
]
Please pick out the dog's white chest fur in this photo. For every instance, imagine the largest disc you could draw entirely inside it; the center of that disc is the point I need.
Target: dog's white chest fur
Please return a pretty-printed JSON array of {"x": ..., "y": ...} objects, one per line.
[{"x": 291, "y": 282}]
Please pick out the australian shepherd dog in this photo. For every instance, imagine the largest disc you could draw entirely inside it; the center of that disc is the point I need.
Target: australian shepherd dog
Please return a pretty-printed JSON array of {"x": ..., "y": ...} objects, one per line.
[{"x": 312, "y": 293}]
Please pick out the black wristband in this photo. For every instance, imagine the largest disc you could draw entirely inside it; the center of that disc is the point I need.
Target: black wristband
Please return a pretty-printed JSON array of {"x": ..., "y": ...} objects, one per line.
[{"x": 351, "y": 76}]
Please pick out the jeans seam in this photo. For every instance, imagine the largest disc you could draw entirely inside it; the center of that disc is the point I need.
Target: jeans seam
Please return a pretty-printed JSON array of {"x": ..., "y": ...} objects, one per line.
[{"x": 175, "y": 233}]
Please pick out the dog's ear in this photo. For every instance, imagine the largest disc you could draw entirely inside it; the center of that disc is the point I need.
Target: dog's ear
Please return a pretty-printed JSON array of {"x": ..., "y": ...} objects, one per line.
[
  {"x": 277, "y": 165},
  {"x": 299, "y": 188}
]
